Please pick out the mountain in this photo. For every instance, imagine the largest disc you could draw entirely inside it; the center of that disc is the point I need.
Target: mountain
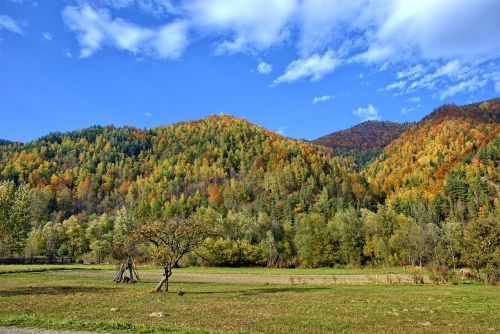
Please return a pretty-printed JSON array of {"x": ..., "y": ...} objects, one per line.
[
  {"x": 453, "y": 147},
  {"x": 363, "y": 141},
  {"x": 367, "y": 136},
  {"x": 430, "y": 197},
  {"x": 219, "y": 160}
]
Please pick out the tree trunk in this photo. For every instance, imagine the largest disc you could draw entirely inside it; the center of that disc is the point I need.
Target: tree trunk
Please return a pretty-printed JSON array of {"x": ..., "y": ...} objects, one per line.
[
  {"x": 130, "y": 271},
  {"x": 164, "y": 280}
]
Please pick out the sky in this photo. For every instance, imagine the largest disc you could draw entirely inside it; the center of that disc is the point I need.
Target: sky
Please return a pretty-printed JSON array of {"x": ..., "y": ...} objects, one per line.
[{"x": 303, "y": 68}]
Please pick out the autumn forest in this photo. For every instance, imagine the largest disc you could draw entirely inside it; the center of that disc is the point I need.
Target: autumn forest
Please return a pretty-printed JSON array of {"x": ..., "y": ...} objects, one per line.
[{"x": 383, "y": 194}]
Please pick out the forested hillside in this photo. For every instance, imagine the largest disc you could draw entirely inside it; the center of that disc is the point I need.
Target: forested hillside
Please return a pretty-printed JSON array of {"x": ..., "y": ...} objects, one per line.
[
  {"x": 452, "y": 152},
  {"x": 256, "y": 180},
  {"x": 363, "y": 141},
  {"x": 431, "y": 197}
]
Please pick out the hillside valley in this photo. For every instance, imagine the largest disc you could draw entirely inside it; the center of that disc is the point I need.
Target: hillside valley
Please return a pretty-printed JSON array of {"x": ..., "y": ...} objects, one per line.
[{"x": 429, "y": 187}]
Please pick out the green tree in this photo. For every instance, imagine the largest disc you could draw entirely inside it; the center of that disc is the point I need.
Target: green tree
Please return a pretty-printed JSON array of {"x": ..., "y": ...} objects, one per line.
[
  {"x": 347, "y": 229},
  {"x": 312, "y": 241},
  {"x": 99, "y": 234},
  {"x": 15, "y": 216},
  {"x": 52, "y": 234},
  {"x": 482, "y": 244},
  {"x": 75, "y": 237}
]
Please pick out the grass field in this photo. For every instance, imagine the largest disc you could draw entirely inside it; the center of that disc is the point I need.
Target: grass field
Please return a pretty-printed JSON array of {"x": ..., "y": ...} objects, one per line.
[
  {"x": 215, "y": 270},
  {"x": 48, "y": 299}
]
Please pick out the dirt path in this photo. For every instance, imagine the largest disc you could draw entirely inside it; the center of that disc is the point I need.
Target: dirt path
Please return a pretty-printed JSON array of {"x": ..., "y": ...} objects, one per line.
[
  {"x": 254, "y": 279},
  {"x": 16, "y": 330}
]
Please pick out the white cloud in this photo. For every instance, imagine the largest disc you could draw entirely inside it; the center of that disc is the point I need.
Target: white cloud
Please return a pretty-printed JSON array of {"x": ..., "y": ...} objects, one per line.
[
  {"x": 9, "y": 24},
  {"x": 314, "y": 67},
  {"x": 96, "y": 28},
  {"x": 369, "y": 113},
  {"x": 414, "y": 99},
  {"x": 245, "y": 25},
  {"x": 406, "y": 110},
  {"x": 264, "y": 68},
  {"x": 453, "y": 73},
  {"x": 464, "y": 86},
  {"x": 324, "y": 22},
  {"x": 171, "y": 40},
  {"x": 436, "y": 30},
  {"x": 396, "y": 85},
  {"x": 47, "y": 36},
  {"x": 323, "y": 98},
  {"x": 412, "y": 71},
  {"x": 68, "y": 54},
  {"x": 148, "y": 114},
  {"x": 158, "y": 8},
  {"x": 433, "y": 43},
  {"x": 497, "y": 87}
]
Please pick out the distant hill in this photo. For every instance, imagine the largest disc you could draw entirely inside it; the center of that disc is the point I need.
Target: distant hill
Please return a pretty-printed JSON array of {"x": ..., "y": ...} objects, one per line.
[
  {"x": 364, "y": 137},
  {"x": 363, "y": 141},
  {"x": 4, "y": 142},
  {"x": 452, "y": 141}
]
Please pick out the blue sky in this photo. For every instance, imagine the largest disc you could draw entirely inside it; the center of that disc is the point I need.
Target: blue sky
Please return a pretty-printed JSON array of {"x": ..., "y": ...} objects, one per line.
[{"x": 303, "y": 68}]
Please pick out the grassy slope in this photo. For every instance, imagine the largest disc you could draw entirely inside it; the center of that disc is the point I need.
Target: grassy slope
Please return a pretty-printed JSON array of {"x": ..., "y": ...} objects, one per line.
[{"x": 41, "y": 299}]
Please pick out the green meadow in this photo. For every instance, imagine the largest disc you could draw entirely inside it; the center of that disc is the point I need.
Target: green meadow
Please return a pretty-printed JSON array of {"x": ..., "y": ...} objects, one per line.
[{"x": 71, "y": 298}]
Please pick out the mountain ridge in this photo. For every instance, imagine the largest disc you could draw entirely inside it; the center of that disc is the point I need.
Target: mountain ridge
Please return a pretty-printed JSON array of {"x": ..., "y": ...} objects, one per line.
[{"x": 363, "y": 137}]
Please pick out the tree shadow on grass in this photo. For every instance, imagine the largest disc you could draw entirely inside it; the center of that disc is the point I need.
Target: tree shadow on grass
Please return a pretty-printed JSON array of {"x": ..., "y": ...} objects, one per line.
[
  {"x": 52, "y": 290},
  {"x": 261, "y": 290}
]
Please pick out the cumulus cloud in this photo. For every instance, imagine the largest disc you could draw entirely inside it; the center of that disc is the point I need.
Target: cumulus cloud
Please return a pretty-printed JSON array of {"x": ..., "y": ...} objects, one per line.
[
  {"x": 369, "y": 113},
  {"x": 9, "y": 24},
  {"x": 264, "y": 68},
  {"x": 419, "y": 33},
  {"x": 244, "y": 25},
  {"x": 436, "y": 29},
  {"x": 323, "y": 98},
  {"x": 323, "y": 23},
  {"x": 433, "y": 44},
  {"x": 313, "y": 67},
  {"x": 96, "y": 28}
]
